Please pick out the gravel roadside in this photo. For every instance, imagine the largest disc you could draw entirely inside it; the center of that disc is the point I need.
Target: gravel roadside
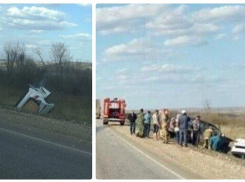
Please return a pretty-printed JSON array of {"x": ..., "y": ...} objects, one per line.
[
  {"x": 205, "y": 163},
  {"x": 82, "y": 132}
]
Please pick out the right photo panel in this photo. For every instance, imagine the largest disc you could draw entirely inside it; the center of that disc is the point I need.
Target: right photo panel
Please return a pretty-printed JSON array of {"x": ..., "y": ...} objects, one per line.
[{"x": 170, "y": 91}]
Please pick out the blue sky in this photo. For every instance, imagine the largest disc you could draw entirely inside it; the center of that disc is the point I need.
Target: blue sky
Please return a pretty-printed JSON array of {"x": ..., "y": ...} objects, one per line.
[
  {"x": 40, "y": 25},
  {"x": 171, "y": 55}
]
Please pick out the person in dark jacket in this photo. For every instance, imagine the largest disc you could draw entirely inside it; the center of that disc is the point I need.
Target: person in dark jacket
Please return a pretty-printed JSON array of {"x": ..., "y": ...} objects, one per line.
[
  {"x": 183, "y": 128},
  {"x": 132, "y": 118}
]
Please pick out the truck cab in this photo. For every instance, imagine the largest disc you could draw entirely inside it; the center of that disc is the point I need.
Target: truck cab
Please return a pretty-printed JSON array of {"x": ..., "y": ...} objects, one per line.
[{"x": 114, "y": 111}]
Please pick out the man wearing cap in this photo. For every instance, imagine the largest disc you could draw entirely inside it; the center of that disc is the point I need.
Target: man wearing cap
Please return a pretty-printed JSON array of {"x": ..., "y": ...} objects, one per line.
[{"x": 183, "y": 127}]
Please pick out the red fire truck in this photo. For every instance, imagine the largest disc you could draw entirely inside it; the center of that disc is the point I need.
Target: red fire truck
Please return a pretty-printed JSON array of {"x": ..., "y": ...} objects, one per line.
[{"x": 114, "y": 111}]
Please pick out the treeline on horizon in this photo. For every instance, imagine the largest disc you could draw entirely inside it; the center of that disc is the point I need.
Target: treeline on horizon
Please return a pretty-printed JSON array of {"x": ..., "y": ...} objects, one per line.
[{"x": 62, "y": 76}]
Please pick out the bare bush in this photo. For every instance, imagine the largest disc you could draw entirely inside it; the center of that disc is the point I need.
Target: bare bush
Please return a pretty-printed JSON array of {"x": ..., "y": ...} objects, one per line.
[
  {"x": 21, "y": 68},
  {"x": 14, "y": 54},
  {"x": 207, "y": 106}
]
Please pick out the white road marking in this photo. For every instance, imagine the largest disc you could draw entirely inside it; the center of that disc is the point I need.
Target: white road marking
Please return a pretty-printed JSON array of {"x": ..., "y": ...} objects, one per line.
[
  {"x": 45, "y": 141},
  {"x": 158, "y": 163}
]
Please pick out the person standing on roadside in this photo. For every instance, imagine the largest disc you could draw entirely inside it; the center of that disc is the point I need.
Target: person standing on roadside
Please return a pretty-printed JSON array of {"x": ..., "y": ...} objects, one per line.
[
  {"x": 132, "y": 118},
  {"x": 140, "y": 124},
  {"x": 183, "y": 127},
  {"x": 196, "y": 130},
  {"x": 171, "y": 128},
  {"x": 156, "y": 124},
  {"x": 164, "y": 126},
  {"x": 147, "y": 124},
  {"x": 176, "y": 128}
]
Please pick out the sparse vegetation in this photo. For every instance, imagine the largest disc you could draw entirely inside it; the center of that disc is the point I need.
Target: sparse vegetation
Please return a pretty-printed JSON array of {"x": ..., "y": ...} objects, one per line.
[{"x": 71, "y": 86}]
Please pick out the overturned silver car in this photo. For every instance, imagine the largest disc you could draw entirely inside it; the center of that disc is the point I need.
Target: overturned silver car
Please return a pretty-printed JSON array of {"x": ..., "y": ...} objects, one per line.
[{"x": 36, "y": 101}]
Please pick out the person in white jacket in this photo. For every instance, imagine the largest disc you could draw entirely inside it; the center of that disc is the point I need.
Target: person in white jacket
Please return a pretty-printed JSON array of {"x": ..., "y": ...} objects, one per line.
[
  {"x": 156, "y": 124},
  {"x": 176, "y": 128}
]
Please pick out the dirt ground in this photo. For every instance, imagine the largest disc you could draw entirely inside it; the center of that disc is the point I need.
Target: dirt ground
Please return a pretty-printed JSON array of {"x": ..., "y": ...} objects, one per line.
[
  {"x": 82, "y": 132},
  {"x": 208, "y": 164}
]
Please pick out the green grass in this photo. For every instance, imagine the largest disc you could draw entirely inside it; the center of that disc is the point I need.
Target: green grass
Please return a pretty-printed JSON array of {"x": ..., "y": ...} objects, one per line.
[
  {"x": 9, "y": 96},
  {"x": 68, "y": 107},
  {"x": 72, "y": 108}
]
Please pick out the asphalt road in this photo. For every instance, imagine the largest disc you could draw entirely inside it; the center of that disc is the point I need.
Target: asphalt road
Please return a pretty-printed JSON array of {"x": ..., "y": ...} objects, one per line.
[
  {"x": 28, "y": 153},
  {"x": 119, "y": 158}
]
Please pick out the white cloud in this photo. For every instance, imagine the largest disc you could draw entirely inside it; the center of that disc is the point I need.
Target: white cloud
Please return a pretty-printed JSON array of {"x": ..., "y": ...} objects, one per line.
[
  {"x": 122, "y": 77},
  {"x": 140, "y": 49},
  {"x": 185, "y": 41},
  {"x": 236, "y": 37},
  {"x": 205, "y": 79},
  {"x": 239, "y": 28},
  {"x": 179, "y": 22},
  {"x": 203, "y": 28},
  {"x": 177, "y": 68},
  {"x": 88, "y": 20},
  {"x": 152, "y": 79},
  {"x": 36, "y": 31},
  {"x": 31, "y": 46},
  {"x": 36, "y": 13},
  {"x": 36, "y": 18},
  {"x": 221, "y": 36},
  {"x": 131, "y": 17},
  {"x": 223, "y": 13},
  {"x": 85, "y": 4},
  {"x": 151, "y": 68},
  {"x": 79, "y": 36},
  {"x": 136, "y": 47},
  {"x": 169, "y": 68},
  {"x": 45, "y": 42},
  {"x": 171, "y": 21},
  {"x": 121, "y": 71}
]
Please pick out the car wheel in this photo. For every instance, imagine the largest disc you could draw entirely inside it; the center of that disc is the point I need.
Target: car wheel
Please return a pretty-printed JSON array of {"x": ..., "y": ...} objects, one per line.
[{"x": 105, "y": 122}]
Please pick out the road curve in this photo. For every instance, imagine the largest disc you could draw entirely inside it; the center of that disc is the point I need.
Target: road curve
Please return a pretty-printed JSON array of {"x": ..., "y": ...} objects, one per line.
[{"x": 119, "y": 158}]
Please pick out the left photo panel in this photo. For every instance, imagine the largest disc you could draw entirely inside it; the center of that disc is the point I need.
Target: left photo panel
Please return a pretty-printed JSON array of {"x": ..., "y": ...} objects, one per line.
[{"x": 45, "y": 91}]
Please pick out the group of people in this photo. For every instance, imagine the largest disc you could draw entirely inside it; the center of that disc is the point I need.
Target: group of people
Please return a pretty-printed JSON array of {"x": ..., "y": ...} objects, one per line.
[{"x": 165, "y": 128}]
